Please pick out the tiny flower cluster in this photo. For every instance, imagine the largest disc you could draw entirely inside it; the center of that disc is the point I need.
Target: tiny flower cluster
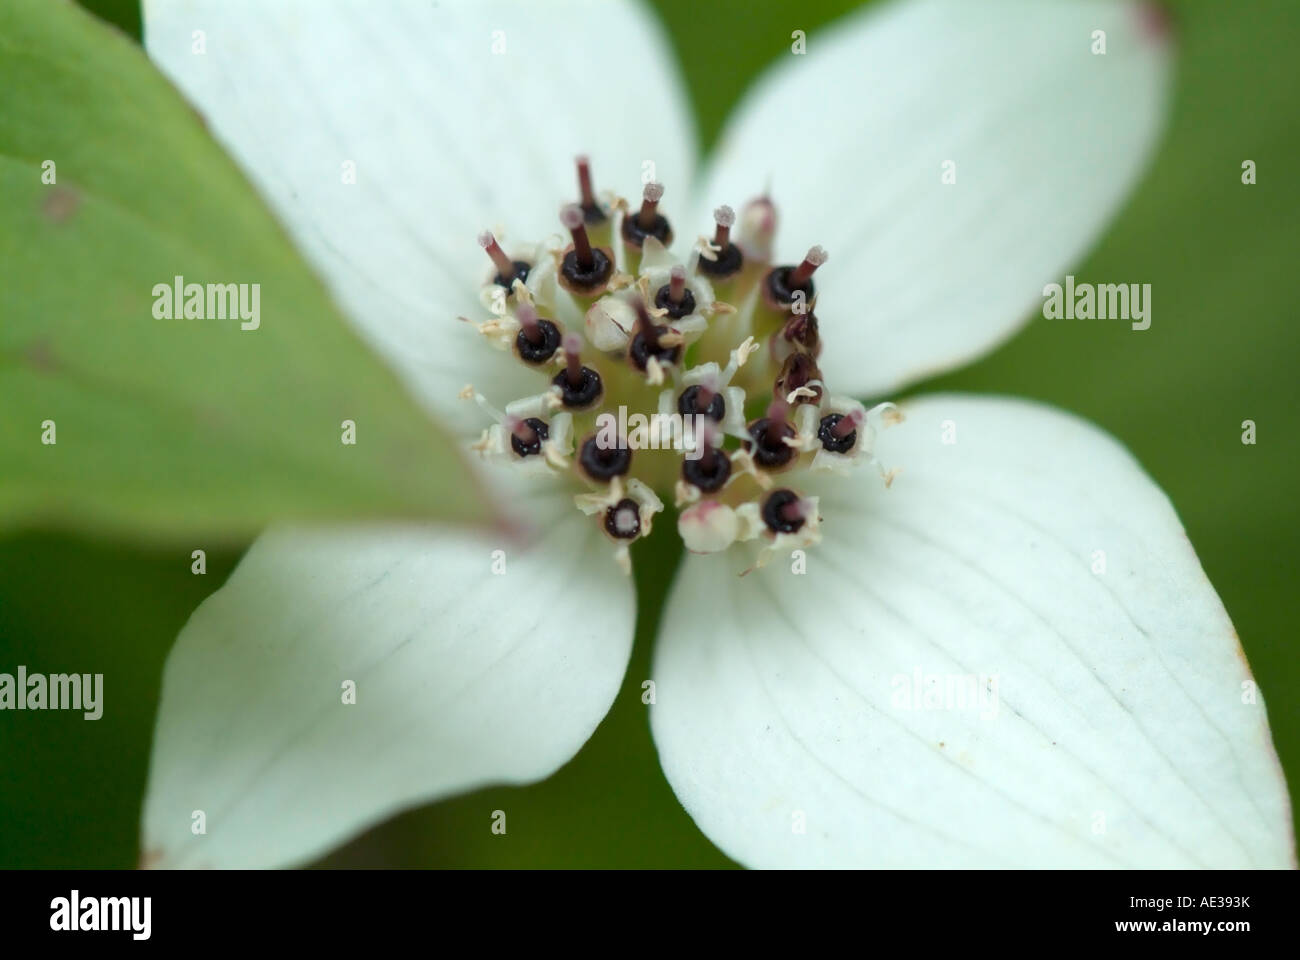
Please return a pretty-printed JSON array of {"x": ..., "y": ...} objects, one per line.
[{"x": 724, "y": 339}]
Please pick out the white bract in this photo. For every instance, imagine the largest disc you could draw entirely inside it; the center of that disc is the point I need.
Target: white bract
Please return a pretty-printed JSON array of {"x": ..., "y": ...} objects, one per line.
[{"x": 932, "y": 667}]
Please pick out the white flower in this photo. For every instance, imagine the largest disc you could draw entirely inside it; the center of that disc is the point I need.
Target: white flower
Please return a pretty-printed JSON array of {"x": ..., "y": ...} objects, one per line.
[{"x": 803, "y": 718}]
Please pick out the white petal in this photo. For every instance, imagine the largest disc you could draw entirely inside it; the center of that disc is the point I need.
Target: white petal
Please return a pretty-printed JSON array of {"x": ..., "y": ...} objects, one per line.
[
  {"x": 447, "y": 136},
  {"x": 1047, "y": 141},
  {"x": 463, "y": 677},
  {"x": 1124, "y": 731}
]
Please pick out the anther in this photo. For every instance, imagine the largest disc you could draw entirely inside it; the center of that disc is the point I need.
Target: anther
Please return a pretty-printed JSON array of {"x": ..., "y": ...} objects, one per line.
[
  {"x": 585, "y": 268},
  {"x": 674, "y": 297},
  {"x": 646, "y": 343},
  {"x": 623, "y": 519},
  {"x": 507, "y": 270},
  {"x": 784, "y": 282},
  {"x": 580, "y": 387},
  {"x": 603, "y": 463},
  {"x": 537, "y": 339},
  {"x": 838, "y": 432},
  {"x": 526, "y": 436},
  {"x": 648, "y": 222},
  {"x": 591, "y": 210},
  {"x": 767, "y": 436},
  {"x": 729, "y": 259},
  {"x": 784, "y": 511},
  {"x": 700, "y": 400}
]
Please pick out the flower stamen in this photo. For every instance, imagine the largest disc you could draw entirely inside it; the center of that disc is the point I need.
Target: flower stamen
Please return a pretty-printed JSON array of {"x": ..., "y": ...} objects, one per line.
[
  {"x": 580, "y": 386},
  {"x": 623, "y": 519},
  {"x": 584, "y": 269},
  {"x": 603, "y": 462},
  {"x": 726, "y": 259},
  {"x": 702, "y": 400},
  {"x": 527, "y": 434},
  {"x": 711, "y": 470},
  {"x": 592, "y": 212},
  {"x": 673, "y": 297},
  {"x": 838, "y": 432},
  {"x": 507, "y": 270},
  {"x": 648, "y": 222},
  {"x": 537, "y": 339},
  {"x": 768, "y": 437},
  {"x": 784, "y": 282},
  {"x": 650, "y": 342},
  {"x": 785, "y": 512}
]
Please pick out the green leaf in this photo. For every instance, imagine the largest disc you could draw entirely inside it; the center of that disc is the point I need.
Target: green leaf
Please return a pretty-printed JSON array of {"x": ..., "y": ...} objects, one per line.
[{"x": 182, "y": 426}]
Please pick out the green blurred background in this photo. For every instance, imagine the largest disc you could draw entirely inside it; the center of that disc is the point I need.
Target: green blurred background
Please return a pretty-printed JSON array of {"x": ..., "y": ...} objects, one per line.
[{"x": 1221, "y": 257}]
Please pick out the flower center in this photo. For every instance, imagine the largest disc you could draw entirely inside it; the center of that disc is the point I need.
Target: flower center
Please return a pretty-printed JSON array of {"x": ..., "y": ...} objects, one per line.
[{"x": 694, "y": 378}]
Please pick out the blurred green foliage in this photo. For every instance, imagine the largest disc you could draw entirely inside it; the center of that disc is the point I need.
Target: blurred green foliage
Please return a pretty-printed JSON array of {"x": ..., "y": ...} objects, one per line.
[
  {"x": 124, "y": 14},
  {"x": 1220, "y": 257},
  {"x": 163, "y": 424}
]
